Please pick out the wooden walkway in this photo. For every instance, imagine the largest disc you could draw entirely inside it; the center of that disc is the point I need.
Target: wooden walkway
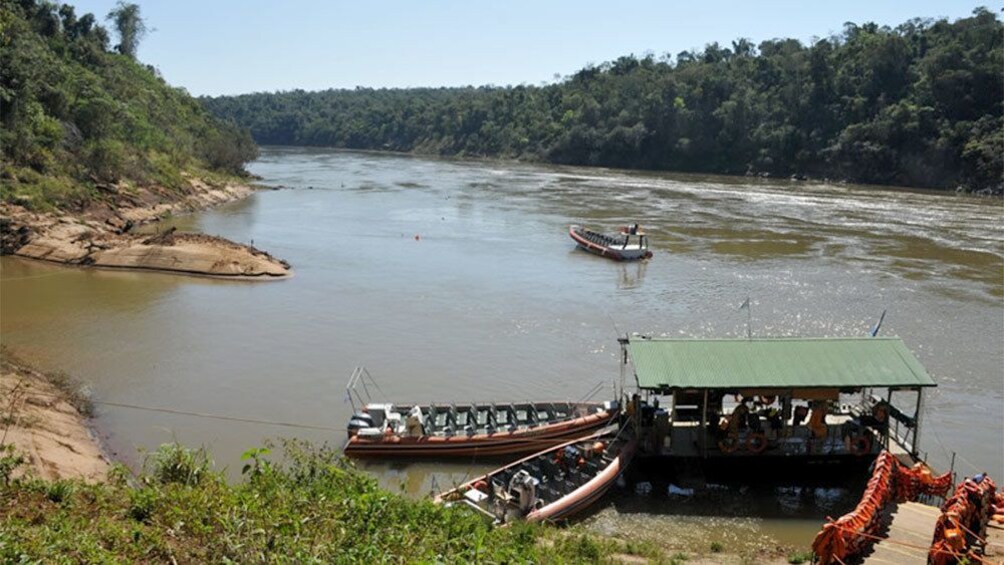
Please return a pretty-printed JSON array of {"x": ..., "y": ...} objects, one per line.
[
  {"x": 909, "y": 537},
  {"x": 994, "y": 553}
]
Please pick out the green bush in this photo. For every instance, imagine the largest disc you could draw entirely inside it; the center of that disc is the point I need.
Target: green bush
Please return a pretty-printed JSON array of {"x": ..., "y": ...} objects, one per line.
[
  {"x": 307, "y": 505},
  {"x": 106, "y": 159},
  {"x": 173, "y": 463}
]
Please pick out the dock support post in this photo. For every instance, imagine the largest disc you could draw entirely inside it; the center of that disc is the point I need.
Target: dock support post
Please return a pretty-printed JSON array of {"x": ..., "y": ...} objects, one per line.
[
  {"x": 624, "y": 360},
  {"x": 888, "y": 428},
  {"x": 704, "y": 425},
  {"x": 916, "y": 421}
]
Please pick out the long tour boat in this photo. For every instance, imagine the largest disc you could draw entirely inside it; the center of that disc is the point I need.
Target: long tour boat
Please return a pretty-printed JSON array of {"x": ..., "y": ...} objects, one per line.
[
  {"x": 631, "y": 244},
  {"x": 550, "y": 485},
  {"x": 490, "y": 429}
]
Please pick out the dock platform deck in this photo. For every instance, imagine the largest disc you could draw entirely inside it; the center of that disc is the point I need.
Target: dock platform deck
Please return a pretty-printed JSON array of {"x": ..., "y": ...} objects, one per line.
[
  {"x": 909, "y": 536},
  {"x": 994, "y": 551}
]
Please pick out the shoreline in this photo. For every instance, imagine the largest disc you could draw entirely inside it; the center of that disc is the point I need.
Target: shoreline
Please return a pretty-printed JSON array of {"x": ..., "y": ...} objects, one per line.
[
  {"x": 46, "y": 418},
  {"x": 102, "y": 235}
]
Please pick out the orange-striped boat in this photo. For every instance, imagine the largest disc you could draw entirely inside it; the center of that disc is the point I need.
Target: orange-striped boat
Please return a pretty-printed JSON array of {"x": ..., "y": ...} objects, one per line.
[
  {"x": 631, "y": 244},
  {"x": 492, "y": 429},
  {"x": 551, "y": 485}
]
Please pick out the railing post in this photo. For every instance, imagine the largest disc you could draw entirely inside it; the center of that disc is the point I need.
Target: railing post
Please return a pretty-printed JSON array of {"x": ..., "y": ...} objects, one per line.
[{"x": 916, "y": 420}]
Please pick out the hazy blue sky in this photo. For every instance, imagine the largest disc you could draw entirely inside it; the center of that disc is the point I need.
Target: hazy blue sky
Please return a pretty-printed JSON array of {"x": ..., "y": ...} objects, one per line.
[{"x": 230, "y": 47}]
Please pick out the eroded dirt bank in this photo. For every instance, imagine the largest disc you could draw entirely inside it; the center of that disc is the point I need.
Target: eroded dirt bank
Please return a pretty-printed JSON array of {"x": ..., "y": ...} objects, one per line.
[
  {"x": 44, "y": 417},
  {"x": 100, "y": 234}
]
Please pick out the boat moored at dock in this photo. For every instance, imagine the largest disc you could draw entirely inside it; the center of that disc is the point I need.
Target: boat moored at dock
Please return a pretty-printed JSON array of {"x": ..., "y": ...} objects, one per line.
[
  {"x": 384, "y": 429},
  {"x": 552, "y": 484}
]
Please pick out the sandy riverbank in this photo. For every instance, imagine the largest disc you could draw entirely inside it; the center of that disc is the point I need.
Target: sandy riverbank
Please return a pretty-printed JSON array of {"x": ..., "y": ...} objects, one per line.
[
  {"x": 43, "y": 417},
  {"x": 100, "y": 235}
]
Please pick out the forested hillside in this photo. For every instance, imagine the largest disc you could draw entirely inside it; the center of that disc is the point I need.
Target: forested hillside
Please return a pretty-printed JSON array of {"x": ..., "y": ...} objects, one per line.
[
  {"x": 918, "y": 105},
  {"x": 75, "y": 115}
]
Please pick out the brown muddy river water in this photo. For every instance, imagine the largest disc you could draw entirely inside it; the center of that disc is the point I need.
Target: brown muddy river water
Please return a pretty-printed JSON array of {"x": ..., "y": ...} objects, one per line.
[{"x": 493, "y": 301}]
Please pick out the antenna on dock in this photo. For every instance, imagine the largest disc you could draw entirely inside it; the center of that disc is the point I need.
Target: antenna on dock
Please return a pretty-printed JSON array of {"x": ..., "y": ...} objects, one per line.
[
  {"x": 749, "y": 317},
  {"x": 617, "y": 330},
  {"x": 875, "y": 330}
]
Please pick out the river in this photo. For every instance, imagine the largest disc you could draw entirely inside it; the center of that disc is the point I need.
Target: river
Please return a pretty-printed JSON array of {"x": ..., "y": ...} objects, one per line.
[{"x": 456, "y": 280}]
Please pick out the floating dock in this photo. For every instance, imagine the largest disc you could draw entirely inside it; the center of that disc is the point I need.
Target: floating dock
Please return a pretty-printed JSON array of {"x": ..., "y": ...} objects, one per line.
[{"x": 818, "y": 399}]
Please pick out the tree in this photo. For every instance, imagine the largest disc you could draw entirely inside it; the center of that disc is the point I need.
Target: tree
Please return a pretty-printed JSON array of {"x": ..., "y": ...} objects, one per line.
[{"x": 130, "y": 26}]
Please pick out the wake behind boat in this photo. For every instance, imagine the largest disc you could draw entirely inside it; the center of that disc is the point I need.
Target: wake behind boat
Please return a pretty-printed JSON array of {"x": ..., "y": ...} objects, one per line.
[
  {"x": 631, "y": 244},
  {"x": 483, "y": 429},
  {"x": 551, "y": 485}
]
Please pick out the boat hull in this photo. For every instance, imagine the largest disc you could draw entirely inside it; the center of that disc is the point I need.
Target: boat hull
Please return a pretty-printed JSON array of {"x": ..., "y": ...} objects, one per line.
[
  {"x": 483, "y": 445},
  {"x": 587, "y": 494},
  {"x": 571, "y": 503}
]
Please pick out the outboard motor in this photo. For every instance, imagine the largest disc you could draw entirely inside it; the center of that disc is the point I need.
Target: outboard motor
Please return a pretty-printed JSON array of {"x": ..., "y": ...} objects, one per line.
[
  {"x": 359, "y": 421},
  {"x": 524, "y": 487},
  {"x": 355, "y": 425}
]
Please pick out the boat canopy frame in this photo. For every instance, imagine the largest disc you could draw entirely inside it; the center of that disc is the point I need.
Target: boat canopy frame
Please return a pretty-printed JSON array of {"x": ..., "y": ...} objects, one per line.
[{"x": 783, "y": 367}]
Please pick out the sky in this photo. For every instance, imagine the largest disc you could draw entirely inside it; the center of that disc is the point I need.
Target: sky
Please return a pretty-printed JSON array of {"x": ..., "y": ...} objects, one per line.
[{"x": 232, "y": 47}]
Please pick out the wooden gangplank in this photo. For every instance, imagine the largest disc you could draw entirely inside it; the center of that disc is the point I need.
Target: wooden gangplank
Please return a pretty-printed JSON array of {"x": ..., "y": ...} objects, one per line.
[
  {"x": 911, "y": 529},
  {"x": 994, "y": 551}
]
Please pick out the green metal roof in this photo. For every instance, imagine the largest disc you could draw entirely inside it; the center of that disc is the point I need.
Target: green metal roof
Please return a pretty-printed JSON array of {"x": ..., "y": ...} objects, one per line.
[{"x": 845, "y": 362}]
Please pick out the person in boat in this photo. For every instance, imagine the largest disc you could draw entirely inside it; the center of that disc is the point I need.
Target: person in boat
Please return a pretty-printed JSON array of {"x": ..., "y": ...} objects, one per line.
[
  {"x": 773, "y": 417},
  {"x": 739, "y": 418},
  {"x": 413, "y": 424}
]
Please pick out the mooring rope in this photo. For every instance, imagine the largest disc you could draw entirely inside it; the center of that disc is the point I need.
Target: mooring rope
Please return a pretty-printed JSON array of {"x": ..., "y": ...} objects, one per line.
[
  {"x": 218, "y": 416},
  {"x": 200, "y": 414}
]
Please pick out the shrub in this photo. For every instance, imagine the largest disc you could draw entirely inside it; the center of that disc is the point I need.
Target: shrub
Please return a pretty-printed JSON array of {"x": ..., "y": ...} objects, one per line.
[
  {"x": 59, "y": 491},
  {"x": 173, "y": 463}
]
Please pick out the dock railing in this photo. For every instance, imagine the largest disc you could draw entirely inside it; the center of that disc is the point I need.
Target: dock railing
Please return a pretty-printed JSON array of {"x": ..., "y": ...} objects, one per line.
[
  {"x": 902, "y": 429},
  {"x": 961, "y": 529},
  {"x": 856, "y": 531}
]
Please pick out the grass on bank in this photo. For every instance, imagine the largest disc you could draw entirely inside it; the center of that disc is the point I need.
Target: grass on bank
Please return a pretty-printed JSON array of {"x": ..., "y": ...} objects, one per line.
[{"x": 310, "y": 505}]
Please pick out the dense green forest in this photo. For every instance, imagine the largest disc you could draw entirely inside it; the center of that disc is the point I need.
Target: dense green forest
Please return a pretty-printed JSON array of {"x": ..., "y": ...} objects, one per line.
[
  {"x": 918, "y": 105},
  {"x": 75, "y": 114}
]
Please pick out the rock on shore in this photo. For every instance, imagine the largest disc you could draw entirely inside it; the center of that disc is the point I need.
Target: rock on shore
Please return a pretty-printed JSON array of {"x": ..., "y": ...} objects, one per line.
[
  {"x": 99, "y": 235},
  {"x": 45, "y": 427}
]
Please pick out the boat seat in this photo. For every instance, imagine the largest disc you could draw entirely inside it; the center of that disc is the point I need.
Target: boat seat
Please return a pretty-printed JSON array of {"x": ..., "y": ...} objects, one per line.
[
  {"x": 531, "y": 416},
  {"x": 441, "y": 419},
  {"x": 534, "y": 470},
  {"x": 430, "y": 420},
  {"x": 551, "y": 469},
  {"x": 547, "y": 493}
]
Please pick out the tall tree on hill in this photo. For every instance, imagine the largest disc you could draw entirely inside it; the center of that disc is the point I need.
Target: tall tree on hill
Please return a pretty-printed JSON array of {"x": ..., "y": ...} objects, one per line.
[{"x": 130, "y": 26}]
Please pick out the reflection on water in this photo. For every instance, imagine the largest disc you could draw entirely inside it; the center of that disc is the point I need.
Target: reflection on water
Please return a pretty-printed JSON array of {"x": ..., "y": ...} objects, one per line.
[
  {"x": 632, "y": 275},
  {"x": 492, "y": 302},
  {"x": 745, "y": 519}
]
